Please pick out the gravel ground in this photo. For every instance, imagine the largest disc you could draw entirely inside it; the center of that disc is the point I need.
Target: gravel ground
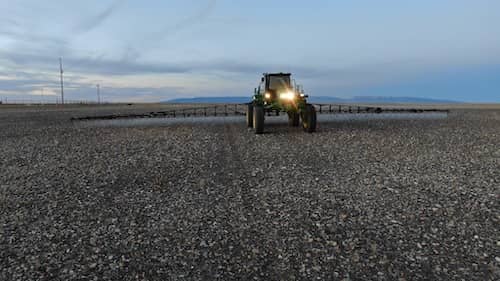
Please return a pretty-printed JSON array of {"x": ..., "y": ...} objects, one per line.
[{"x": 362, "y": 199}]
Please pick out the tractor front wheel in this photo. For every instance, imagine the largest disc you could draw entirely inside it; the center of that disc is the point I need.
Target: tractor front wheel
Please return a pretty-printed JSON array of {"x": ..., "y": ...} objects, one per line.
[
  {"x": 309, "y": 118},
  {"x": 293, "y": 119},
  {"x": 250, "y": 115},
  {"x": 258, "y": 119}
]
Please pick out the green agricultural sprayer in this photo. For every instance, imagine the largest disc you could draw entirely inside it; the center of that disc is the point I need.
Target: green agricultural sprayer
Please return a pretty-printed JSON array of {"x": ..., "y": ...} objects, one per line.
[{"x": 276, "y": 93}]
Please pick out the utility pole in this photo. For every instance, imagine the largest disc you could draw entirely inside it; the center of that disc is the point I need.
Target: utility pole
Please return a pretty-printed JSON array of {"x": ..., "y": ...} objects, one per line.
[
  {"x": 62, "y": 83},
  {"x": 98, "y": 94}
]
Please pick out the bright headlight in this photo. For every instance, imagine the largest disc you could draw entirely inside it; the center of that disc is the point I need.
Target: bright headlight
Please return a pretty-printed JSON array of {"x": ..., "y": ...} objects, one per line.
[
  {"x": 287, "y": 96},
  {"x": 267, "y": 95}
]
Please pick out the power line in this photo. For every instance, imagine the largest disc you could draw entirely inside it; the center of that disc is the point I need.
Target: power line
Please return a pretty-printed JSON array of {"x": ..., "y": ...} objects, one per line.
[
  {"x": 62, "y": 83},
  {"x": 98, "y": 94}
]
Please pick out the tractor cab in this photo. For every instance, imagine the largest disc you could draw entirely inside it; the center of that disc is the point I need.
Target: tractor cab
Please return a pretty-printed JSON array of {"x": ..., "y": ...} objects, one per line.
[
  {"x": 275, "y": 84},
  {"x": 277, "y": 92}
]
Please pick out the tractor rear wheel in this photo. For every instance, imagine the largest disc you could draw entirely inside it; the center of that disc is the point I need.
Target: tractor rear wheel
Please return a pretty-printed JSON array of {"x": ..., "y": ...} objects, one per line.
[
  {"x": 250, "y": 115},
  {"x": 309, "y": 118},
  {"x": 258, "y": 119},
  {"x": 293, "y": 119}
]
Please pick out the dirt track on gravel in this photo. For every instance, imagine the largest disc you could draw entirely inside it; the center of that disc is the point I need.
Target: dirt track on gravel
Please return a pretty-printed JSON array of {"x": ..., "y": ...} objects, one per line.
[{"x": 414, "y": 199}]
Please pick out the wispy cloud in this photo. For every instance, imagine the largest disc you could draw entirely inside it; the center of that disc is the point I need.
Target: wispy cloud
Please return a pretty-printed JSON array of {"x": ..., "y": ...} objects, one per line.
[
  {"x": 193, "y": 19},
  {"x": 153, "y": 39},
  {"x": 8, "y": 21},
  {"x": 96, "y": 20},
  {"x": 89, "y": 64},
  {"x": 126, "y": 66},
  {"x": 129, "y": 65},
  {"x": 28, "y": 86},
  {"x": 28, "y": 37}
]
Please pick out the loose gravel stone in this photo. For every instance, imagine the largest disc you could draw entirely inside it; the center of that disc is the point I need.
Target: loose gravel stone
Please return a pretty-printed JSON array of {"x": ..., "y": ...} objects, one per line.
[{"x": 361, "y": 199}]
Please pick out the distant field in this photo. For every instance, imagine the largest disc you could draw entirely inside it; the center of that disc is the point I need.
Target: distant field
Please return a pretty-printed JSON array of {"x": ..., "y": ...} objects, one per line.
[
  {"x": 383, "y": 199},
  {"x": 160, "y": 106}
]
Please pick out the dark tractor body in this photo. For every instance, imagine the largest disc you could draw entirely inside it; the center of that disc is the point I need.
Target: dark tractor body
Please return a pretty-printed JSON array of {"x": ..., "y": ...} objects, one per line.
[{"x": 276, "y": 93}]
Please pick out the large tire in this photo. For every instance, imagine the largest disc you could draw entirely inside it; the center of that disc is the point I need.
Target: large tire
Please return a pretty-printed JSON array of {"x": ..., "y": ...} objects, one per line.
[
  {"x": 309, "y": 118},
  {"x": 250, "y": 115},
  {"x": 293, "y": 119},
  {"x": 258, "y": 119}
]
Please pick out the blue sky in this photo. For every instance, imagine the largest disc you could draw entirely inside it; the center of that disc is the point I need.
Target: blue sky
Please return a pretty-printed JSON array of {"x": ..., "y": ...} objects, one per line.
[{"x": 159, "y": 50}]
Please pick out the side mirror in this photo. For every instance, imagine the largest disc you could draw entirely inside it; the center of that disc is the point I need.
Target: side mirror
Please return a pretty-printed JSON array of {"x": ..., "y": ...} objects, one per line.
[{"x": 262, "y": 79}]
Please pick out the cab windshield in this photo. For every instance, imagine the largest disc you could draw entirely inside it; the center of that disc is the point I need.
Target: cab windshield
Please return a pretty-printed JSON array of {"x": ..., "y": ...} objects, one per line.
[{"x": 279, "y": 83}]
